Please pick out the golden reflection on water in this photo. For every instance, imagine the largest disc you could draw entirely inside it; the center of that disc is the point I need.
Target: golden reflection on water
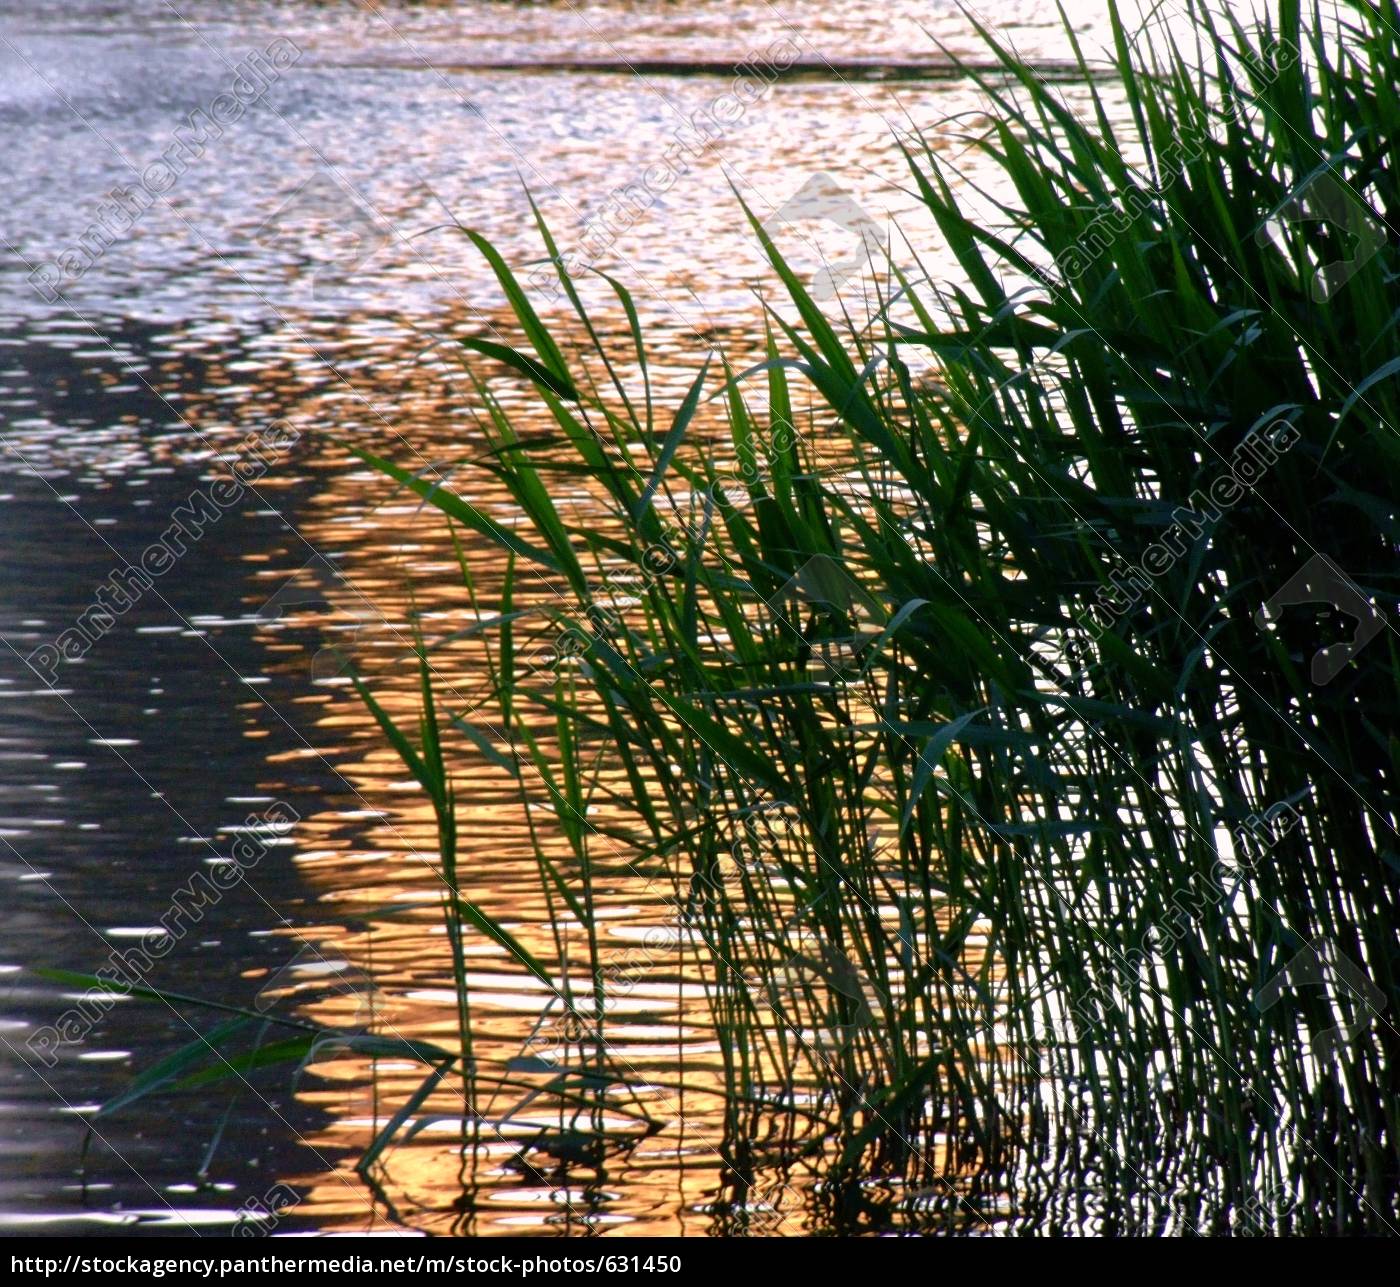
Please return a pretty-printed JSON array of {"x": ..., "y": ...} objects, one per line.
[{"x": 380, "y": 853}]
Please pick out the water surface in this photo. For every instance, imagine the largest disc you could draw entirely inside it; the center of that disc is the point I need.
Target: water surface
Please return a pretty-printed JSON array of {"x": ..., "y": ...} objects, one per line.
[{"x": 301, "y": 268}]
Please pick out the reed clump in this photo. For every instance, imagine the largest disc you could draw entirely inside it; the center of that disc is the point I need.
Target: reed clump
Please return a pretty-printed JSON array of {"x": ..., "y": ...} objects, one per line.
[{"x": 1016, "y": 748}]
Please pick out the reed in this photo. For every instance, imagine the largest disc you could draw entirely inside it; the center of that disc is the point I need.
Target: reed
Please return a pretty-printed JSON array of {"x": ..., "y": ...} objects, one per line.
[{"x": 1005, "y": 787}]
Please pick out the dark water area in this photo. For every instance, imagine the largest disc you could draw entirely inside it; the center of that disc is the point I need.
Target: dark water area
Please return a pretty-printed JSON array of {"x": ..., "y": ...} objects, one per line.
[
  {"x": 296, "y": 272},
  {"x": 121, "y": 784}
]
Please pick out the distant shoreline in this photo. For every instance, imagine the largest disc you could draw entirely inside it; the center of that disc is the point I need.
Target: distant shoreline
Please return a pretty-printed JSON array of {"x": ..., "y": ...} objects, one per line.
[{"x": 857, "y": 69}]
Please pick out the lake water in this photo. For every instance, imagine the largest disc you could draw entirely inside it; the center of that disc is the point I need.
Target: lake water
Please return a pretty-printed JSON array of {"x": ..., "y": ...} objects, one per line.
[{"x": 295, "y": 267}]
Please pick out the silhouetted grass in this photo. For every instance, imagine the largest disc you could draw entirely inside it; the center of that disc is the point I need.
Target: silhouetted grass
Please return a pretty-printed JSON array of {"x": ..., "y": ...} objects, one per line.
[{"x": 984, "y": 755}]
